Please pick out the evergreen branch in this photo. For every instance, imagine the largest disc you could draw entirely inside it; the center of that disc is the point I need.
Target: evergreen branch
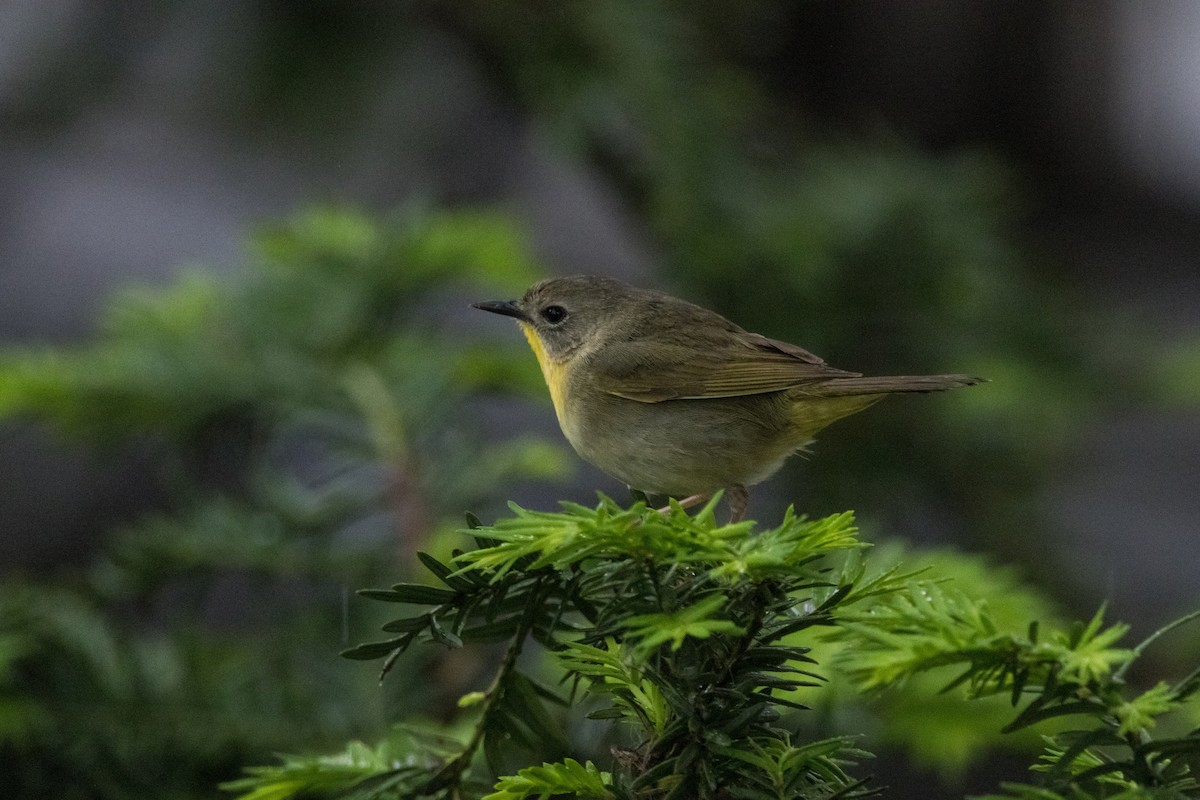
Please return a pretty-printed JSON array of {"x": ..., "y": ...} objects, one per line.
[
  {"x": 688, "y": 631},
  {"x": 451, "y": 774}
]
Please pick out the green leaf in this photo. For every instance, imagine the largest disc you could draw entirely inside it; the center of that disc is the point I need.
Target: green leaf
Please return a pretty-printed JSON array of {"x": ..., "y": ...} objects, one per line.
[
  {"x": 1091, "y": 657},
  {"x": 654, "y": 630},
  {"x": 568, "y": 777},
  {"x": 442, "y": 636},
  {"x": 407, "y": 624},
  {"x": 373, "y": 650},
  {"x": 1141, "y": 713},
  {"x": 443, "y": 573},
  {"x": 415, "y": 593},
  {"x": 354, "y": 767},
  {"x": 636, "y": 696}
]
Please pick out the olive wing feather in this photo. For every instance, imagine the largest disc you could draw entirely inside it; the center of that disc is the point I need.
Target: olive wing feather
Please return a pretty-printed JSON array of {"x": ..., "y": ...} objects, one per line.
[{"x": 744, "y": 364}]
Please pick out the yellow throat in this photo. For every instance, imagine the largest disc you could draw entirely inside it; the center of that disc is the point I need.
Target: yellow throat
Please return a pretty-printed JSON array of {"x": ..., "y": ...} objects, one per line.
[{"x": 554, "y": 373}]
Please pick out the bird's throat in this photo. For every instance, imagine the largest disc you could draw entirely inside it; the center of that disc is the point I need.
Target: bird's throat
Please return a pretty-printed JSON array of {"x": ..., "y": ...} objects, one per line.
[{"x": 554, "y": 373}]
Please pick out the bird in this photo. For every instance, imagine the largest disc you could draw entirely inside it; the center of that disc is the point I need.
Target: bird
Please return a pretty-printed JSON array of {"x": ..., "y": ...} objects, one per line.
[{"x": 675, "y": 400}]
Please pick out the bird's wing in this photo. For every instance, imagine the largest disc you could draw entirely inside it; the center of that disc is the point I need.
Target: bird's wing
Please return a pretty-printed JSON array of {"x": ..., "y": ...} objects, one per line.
[{"x": 743, "y": 364}]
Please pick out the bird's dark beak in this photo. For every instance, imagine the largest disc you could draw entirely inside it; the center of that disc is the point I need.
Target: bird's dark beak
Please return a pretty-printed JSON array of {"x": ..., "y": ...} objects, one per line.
[{"x": 507, "y": 308}]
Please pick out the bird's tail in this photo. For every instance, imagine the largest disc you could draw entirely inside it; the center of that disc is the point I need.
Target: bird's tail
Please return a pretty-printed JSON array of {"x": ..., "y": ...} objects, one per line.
[{"x": 860, "y": 385}]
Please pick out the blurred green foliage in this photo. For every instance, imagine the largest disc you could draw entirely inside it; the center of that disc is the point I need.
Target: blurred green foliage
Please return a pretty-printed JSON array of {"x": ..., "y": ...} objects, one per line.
[{"x": 341, "y": 407}]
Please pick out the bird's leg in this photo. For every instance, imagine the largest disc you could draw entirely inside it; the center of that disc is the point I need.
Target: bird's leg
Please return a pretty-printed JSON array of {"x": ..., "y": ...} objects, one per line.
[
  {"x": 735, "y": 495},
  {"x": 691, "y": 501},
  {"x": 738, "y": 499}
]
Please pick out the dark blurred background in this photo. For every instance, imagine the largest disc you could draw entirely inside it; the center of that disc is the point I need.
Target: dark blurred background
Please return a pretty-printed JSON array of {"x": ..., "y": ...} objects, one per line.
[{"x": 810, "y": 168}]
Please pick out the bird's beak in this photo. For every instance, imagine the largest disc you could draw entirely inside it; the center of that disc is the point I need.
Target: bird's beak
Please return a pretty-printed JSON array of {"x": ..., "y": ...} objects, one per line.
[{"x": 508, "y": 308}]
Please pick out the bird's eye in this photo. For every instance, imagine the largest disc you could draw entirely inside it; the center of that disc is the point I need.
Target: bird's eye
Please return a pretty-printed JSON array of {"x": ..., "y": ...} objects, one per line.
[{"x": 554, "y": 314}]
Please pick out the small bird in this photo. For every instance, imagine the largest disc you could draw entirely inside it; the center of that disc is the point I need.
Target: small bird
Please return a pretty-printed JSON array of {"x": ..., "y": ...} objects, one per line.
[{"x": 673, "y": 399}]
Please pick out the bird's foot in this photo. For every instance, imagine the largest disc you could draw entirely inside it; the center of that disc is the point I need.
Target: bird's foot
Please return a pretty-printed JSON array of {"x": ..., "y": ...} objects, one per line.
[{"x": 736, "y": 497}]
